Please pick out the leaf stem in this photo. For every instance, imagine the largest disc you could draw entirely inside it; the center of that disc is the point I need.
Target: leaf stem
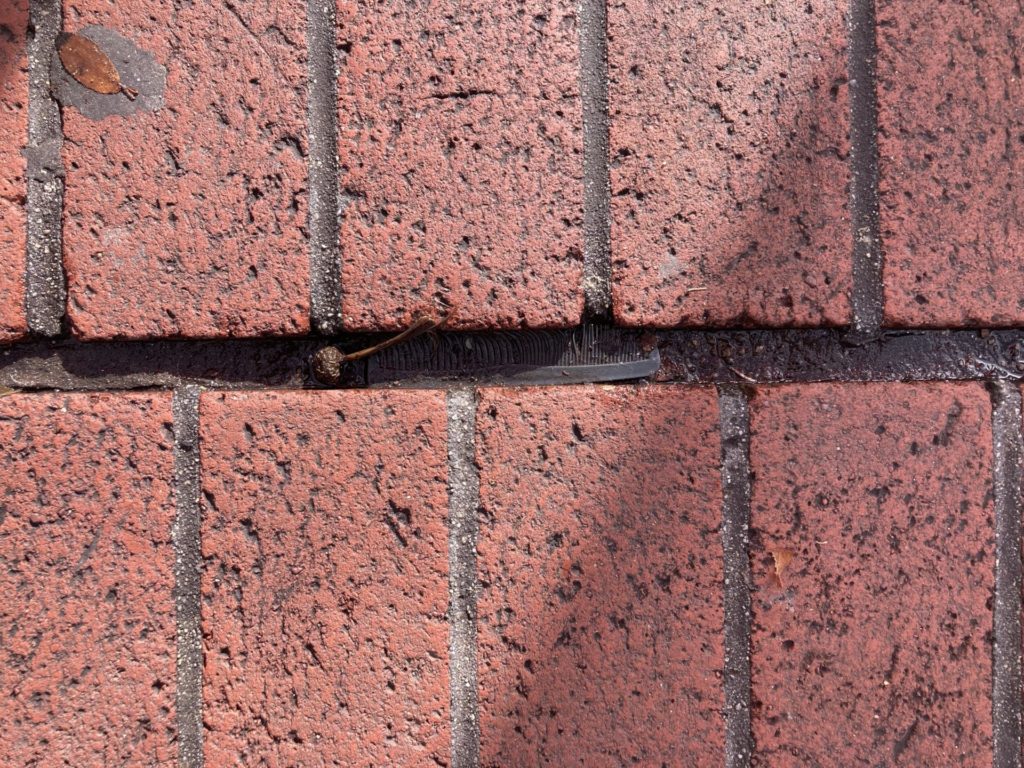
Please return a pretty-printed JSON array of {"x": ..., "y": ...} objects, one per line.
[{"x": 420, "y": 326}]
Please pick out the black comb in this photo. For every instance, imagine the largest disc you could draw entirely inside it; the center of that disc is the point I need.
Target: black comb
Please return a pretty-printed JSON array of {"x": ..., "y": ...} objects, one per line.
[{"x": 585, "y": 354}]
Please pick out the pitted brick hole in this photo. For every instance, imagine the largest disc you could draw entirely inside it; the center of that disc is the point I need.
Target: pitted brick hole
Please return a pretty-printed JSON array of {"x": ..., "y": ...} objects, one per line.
[{"x": 137, "y": 69}]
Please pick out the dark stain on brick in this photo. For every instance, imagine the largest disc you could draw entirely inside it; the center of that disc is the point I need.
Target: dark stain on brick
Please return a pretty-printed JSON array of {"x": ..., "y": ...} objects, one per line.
[
  {"x": 398, "y": 519},
  {"x": 942, "y": 438},
  {"x": 901, "y": 744}
]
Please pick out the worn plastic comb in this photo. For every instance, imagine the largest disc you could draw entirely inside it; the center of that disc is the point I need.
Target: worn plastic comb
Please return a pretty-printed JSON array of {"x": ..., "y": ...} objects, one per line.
[{"x": 585, "y": 354}]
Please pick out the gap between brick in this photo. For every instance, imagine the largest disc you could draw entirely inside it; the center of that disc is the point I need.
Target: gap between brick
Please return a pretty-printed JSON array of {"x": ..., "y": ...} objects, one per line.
[
  {"x": 1006, "y": 613},
  {"x": 325, "y": 290},
  {"x": 734, "y": 415},
  {"x": 867, "y": 296},
  {"x": 45, "y": 286},
  {"x": 187, "y": 562},
  {"x": 695, "y": 357},
  {"x": 463, "y": 500},
  {"x": 596, "y": 181}
]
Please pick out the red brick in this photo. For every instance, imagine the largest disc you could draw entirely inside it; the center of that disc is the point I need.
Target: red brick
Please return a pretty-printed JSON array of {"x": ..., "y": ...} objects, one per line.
[
  {"x": 14, "y": 126},
  {"x": 190, "y": 220},
  {"x": 875, "y": 649},
  {"x": 728, "y": 148},
  {"x": 601, "y": 578},
  {"x": 461, "y": 163},
  {"x": 87, "y": 660},
  {"x": 951, "y": 122},
  {"x": 325, "y": 581}
]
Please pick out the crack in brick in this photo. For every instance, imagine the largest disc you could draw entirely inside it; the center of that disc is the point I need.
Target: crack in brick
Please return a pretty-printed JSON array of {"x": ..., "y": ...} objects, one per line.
[
  {"x": 463, "y": 94},
  {"x": 256, "y": 39}
]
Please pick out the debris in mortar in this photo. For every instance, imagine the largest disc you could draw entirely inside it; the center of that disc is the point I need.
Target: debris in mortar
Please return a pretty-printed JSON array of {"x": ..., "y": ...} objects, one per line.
[
  {"x": 327, "y": 362},
  {"x": 89, "y": 65}
]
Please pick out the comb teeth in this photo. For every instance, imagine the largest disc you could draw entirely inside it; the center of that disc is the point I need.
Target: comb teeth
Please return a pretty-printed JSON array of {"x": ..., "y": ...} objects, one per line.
[{"x": 589, "y": 353}]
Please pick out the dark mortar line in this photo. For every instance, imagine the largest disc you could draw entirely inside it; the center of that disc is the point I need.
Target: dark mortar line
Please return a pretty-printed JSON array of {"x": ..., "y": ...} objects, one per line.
[
  {"x": 694, "y": 357},
  {"x": 1008, "y": 449},
  {"x": 798, "y": 356},
  {"x": 238, "y": 364},
  {"x": 596, "y": 183},
  {"x": 325, "y": 294},
  {"x": 867, "y": 295},
  {"x": 46, "y": 292},
  {"x": 734, "y": 415},
  {"x": 187, "y": 565},
  {"x": 463, "y": 501},
  {"x": 735, "y": 436}
]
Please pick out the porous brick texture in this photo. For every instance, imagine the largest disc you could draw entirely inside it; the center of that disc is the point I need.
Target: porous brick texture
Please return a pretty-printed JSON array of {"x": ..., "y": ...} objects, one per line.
[
  {"x": 461, "y": 163},
  {"x": 87, "y": 658},
  {"x": 728, "y": 163},
  {"x": 14, "y": 129},
  {"x": 951, "y": 122},
  {"x": 600, "y": 625},
  {"x": 189, "y": 220},
  {"x": 872, "y": 556},
  {"x": 341, "y": 616},
  {"x": 325, "y": 581},
  {"x": 600, "y": 566}
]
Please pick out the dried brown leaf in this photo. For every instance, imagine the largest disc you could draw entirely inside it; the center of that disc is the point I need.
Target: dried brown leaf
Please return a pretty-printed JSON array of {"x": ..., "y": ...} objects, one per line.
[
  {"x": 4, "y": 391},
  {"x": 88, "y": 64},
  {"x": 782, "y": 557}
]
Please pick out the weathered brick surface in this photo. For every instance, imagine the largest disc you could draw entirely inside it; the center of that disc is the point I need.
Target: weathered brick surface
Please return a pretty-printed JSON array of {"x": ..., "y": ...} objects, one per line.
[
  {"x": 461, "y": 163},
  {"x": 86, "y": 572},
  {"x": 600, "y": 611},
  {"x": 875, "y": 649},
  {"x": 950, "y": 125},
  {"x": 728, "y": 146},
  {"x": 325, "y": 588},
  {"x": 14, "y": 129},
  {"x": 190, "y": 220}
]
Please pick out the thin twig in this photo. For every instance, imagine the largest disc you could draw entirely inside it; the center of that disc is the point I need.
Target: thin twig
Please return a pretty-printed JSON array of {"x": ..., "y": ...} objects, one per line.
[
  {"x": 742, "y": 375},
  {"x": 420, "y": 326}
]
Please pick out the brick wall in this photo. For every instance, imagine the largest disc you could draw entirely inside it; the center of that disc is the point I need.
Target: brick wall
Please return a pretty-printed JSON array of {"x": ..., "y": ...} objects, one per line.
[
  {"x": 330, "y": 529},
  {"x": 798, "y": 544},
  {"x": 740, "y": 165}
]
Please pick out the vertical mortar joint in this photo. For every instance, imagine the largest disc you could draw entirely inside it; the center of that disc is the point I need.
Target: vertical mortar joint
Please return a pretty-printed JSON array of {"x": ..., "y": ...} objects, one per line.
[
  {"x": 596, "y": 177},
  {"x": 45, "y": 286},
  {"x": 1007, "y": 451},
  {"x": 463, "y": 501},
  {"x": 867, "y": 298},
  {"x": 734, "y": 414},
  {"x": 187, "y": 564},
  {"x": 325, "y": 291}
]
